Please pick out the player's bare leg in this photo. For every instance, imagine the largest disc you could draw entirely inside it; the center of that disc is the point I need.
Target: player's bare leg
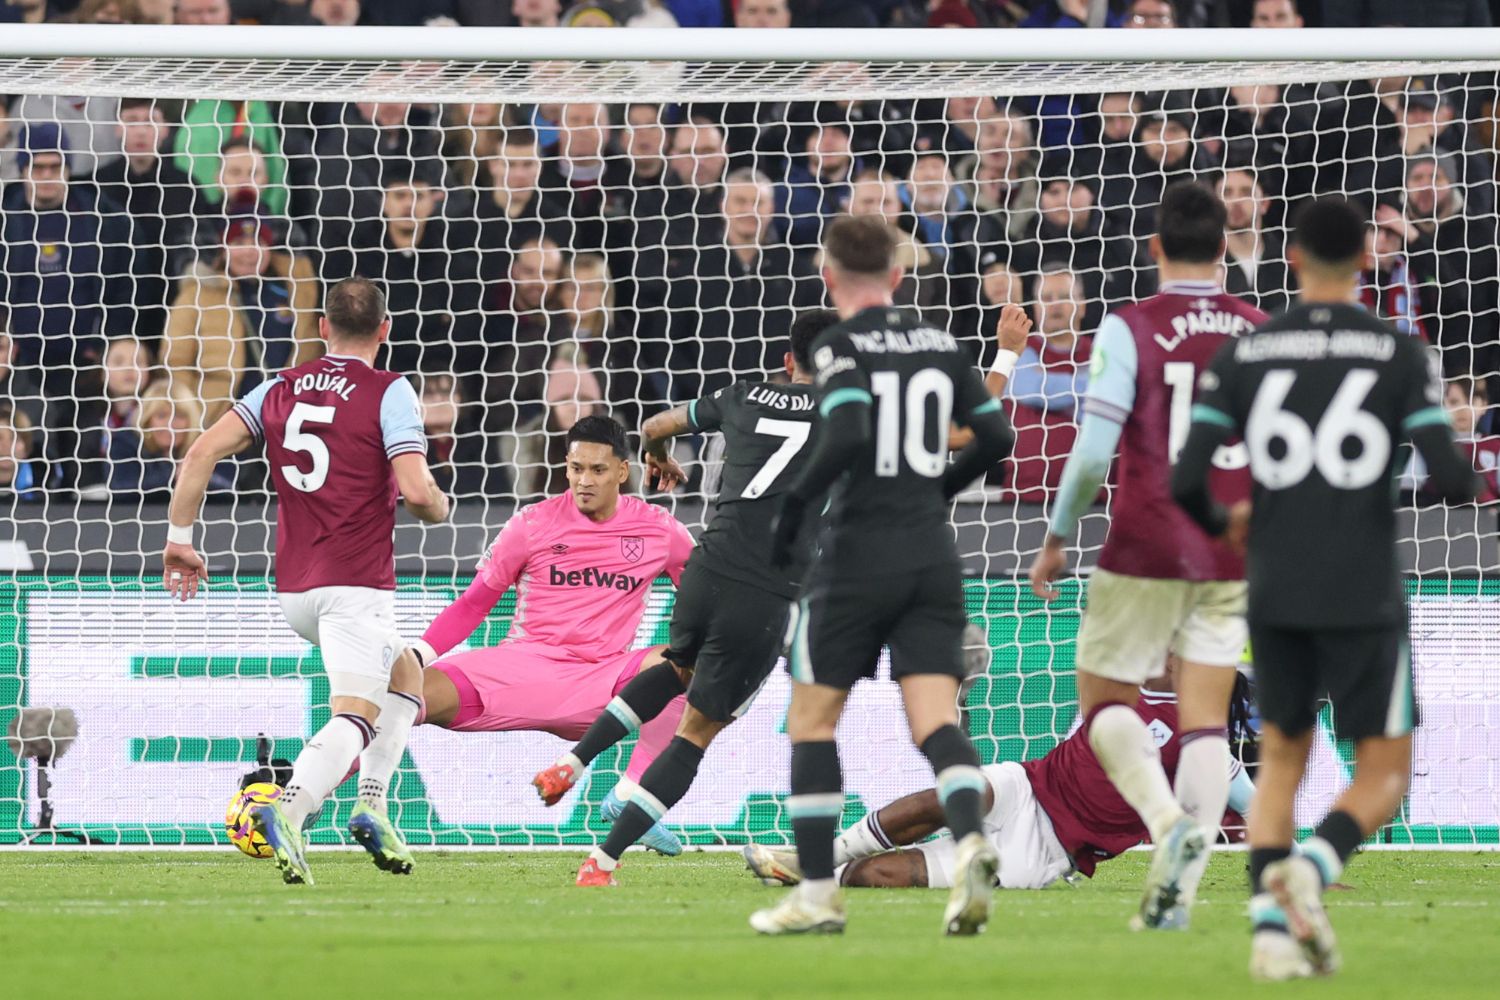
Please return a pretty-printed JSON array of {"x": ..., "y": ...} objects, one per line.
[
  {"x": 323, "y": 763},
  {"x": 816, "y": 802},
  {"x": 905, "y": 869},
  {"x": 1128, "y": 754},
  {"x": 370, "y": 823},
  {"x": 1202, "y": 786},
  {"x": 439, "y": 698},
  {"x": 932, "y": 715},
  {"x": 663, "y": 785},
  {"x": 1283, "y": 759},
  {"x": 647, "y": 695}
]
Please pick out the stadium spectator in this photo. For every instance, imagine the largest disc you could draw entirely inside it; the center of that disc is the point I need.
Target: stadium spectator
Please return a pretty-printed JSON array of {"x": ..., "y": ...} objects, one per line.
[
  {"x": 1452, "y": 255},
  {"x": 208, "y": 126},
  {"x": 129, "y": 366},
  {"x": 353, "y": 145},
  {"x": 572, "y": 393},
  {"x": 955, "y": 131},
  {"x": 1279, "y": 141},
  {"x": 589, "y": 300},
  {"x": 19, "y": 387},
  {"x": 1164, "y": 152},
  {"x": 1429, "y": 125},
  {"x": 731, "y": 295},
  {"x": 1059, "y": 114},
  {"x": 25, "y": 11},
  {"x": 762, "y": 14},
  {"x": 999, "y": 285},
  {"x": 1367, "y": 13},
  {"x": 203, "y": 12},
  {"x": 877, "y": 193},
  {"x": 87, "y": 124},
  {"x": 1467, "y": 402},
  {"x": 156, "y": 11},
  {"x": 698, "y": 161},
  {"x": 471, "y": 138},
  {"x": 247, "y": 310},
  {"x": 144, "y": 457},
  {"x": 640, "y": 184},
  {"x": 1255, "y": 257},
  {"x": 512, "y": 203},
  {"x": 1111, "y": 150},
  {"x": 1003, "y": 179},
  {"x": 1070, "y": 230},
  {"x": 65, "y": 275},
  {"x": 572, "y": 177},
  {"x": 1275, "y": 14},
  {"x": 524, "y": 319},
  {"x": 20, "y": 476},
  {"x": 430, "y": 279},
  {"x": 1052, "y": 374},
  {"x": 1389, "y": 289},
  {"x": 833, "y": 14},
  {"x": 455, "y": 447},
  {"x": 157, "y": 199},
  {"x": 817, "y": 184},
  {"x": 1150, "y": 14},
  {"x": 536, "y": 13},
  {"x": 939, "y": 210}
]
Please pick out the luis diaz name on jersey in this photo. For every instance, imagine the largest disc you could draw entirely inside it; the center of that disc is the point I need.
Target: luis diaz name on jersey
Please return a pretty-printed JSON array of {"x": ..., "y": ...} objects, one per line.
[
  {"x": 766, "y": 396},
  {"x": 1203, "y": 319}
]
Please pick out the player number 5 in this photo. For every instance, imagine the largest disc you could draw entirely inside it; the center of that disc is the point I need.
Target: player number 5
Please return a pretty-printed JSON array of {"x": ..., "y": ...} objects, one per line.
[{"x": 297, "y": 439}]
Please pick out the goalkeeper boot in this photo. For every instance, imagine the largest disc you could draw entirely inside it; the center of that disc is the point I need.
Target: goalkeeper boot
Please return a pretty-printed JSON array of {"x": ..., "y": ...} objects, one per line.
[
  {"x": 1298, "y": 889},
  {"x": 590, "y": 874},
  {"x": 375, "y": 833},
  {"x": 975, "y": 865},
  {"x": 658, "y": 838},
  {"x": 554, "y": 782},
  {"x": 285, "y": 842},
  {"x": 771, "y": 866},
  {"x": 1276, "y": 957},
  {"x": 802, "y": 913},
  {"x": 1163, "y": 906}
]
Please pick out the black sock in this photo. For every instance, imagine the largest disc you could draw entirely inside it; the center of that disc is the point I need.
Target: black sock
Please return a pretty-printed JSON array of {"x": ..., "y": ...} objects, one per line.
[
  {"x": 815, "y": 805},
  {"x": 643, "y": 699},
  {"x": 1332, "y": 842},
  {"x": 961, "y": 783},
  {"x": 666, "y": 781},
  {"x": 1260, "y": 857}
]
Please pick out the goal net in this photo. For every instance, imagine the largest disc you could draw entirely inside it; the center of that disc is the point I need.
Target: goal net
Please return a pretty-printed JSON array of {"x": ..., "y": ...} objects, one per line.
[{"x": 569, "y": 223}]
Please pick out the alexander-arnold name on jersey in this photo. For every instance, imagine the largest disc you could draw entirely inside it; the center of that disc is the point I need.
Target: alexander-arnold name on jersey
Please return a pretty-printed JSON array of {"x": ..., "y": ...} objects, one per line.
[
  {"x": 766, "y": 396},
  {"x": 592, "y": 576}
]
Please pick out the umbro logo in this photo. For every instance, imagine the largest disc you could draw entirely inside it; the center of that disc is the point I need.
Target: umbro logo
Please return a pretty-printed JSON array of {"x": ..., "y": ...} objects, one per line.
[{"x": 559, "y": 549}]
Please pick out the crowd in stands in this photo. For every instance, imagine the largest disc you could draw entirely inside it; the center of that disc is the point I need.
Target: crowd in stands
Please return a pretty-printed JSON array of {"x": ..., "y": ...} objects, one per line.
[{"x": 160, "y": 258}]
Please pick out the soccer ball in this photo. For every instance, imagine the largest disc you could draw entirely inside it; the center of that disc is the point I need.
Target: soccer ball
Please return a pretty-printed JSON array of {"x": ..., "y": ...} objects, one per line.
[{"x": 237, "y": 822}]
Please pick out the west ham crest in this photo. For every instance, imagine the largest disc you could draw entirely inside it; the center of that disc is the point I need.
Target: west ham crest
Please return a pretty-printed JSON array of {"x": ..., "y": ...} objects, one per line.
[{"x": 632, "y": 547}]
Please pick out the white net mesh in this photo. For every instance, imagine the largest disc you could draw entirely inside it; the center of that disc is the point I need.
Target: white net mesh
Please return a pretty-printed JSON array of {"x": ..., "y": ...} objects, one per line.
[{"x": 562, "y": 238}]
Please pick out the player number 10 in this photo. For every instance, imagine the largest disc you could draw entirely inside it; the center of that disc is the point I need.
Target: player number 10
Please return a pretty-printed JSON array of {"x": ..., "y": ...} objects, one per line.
[{"x": 923, "y": 461}]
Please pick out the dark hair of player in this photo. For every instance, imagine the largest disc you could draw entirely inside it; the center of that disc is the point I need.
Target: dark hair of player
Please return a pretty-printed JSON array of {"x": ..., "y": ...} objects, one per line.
[
  {"x": 355, "y": 308},
  {"x": 860, "y": 244},
  {"x": 1190, "y": 223},
  {"x": 806, "y": 328},
  {"x": 1331, "y": 232},
  {"x": 601, "y": 430}
]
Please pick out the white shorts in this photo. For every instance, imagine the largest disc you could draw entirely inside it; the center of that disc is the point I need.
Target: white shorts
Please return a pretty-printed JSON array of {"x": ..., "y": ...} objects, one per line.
[
  {"x": 1133, "y": 622},
  {"x": 1030, "y": 855},
  {"x": 355, "y": 630}
]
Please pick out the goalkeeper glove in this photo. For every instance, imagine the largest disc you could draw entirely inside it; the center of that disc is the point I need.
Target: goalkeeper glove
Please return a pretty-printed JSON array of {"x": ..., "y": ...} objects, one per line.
[{"x": 785, "y": 527}]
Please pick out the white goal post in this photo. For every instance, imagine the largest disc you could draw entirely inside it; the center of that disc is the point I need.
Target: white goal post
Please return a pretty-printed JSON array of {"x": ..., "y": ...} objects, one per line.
[{"x": 544, "y": 261}]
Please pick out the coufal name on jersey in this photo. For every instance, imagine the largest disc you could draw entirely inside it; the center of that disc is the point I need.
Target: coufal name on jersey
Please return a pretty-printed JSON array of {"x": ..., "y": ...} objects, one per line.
[
  {"x": 904, "y": 341},
  {"x": 780, "y": 400},
  {"x": 592, "y": 576},
  {"x": 1204, "y": 319},
  {"x": 339, "y": 385}
]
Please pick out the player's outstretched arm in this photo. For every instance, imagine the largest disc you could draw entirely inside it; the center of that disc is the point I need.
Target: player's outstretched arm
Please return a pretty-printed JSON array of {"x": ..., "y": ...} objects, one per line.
[
  {"x": 419, "y": 489},
  {"x": 655, "y": 433},
  {"x": 1011, "y": 331},
  {"x": 182, "y": 568}
]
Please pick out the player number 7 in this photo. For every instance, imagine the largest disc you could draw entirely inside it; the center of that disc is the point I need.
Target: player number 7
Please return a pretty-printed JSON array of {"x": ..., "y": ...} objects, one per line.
[
  {"x": 296, "y": 439},
  {"x": 794, "y": 434}
]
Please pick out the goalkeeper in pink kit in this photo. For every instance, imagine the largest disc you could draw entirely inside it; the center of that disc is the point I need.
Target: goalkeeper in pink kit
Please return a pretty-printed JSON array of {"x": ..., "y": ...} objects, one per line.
[{"x": 582, "y": 564}]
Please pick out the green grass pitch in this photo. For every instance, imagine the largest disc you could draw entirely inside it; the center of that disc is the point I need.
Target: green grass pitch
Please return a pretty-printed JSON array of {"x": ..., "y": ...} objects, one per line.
[{"x": 495, "y": 925}]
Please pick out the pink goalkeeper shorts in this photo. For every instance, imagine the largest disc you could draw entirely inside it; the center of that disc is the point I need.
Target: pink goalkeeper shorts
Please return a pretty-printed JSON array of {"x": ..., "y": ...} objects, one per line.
[{"x": 520, "y": 686}]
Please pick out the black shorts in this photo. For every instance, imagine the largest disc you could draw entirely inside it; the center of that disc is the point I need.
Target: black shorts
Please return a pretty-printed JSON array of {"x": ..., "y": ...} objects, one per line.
[
  {"x": 1364, "y": 673},
  {"x": 842, "y": 623},
  {"x": 731, "y": 634}
]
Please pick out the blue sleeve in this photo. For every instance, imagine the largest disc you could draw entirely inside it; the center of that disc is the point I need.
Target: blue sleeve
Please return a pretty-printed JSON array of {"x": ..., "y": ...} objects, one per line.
[
  {"x": 1110, "y": 397},
  {"x": 401, "y": 420},
  {"x": 249, "y": 407}
]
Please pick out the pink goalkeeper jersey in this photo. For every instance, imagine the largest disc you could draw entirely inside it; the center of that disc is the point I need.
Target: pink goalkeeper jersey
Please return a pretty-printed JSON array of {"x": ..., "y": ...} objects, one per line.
[{"x": 581, "y": 586}]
